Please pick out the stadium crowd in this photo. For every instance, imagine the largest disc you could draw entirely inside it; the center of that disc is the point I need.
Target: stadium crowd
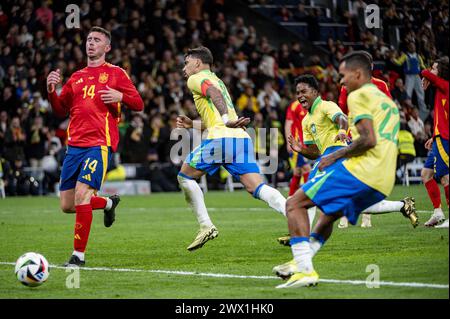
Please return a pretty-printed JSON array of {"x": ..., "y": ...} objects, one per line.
[{"x": 149, "y": 42}]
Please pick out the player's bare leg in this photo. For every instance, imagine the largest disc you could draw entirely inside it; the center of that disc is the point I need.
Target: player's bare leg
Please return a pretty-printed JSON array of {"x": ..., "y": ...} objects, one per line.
[
  {"x": 194, "y": 197},
  {"x": 67, "y": 201},
  {"x": 254, "y": 184},
  {"x": 108, "y": 204},
  {"x": 434, "y": 194}
]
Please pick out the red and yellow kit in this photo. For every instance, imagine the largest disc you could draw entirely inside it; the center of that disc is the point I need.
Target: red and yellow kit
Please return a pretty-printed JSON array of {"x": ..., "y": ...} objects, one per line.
[
  {"x": 92, "y": 122},
  {"x": 295, "y": 112},
  {"x": 381, "y": 85},
  {"x": 440, "y": 104}
]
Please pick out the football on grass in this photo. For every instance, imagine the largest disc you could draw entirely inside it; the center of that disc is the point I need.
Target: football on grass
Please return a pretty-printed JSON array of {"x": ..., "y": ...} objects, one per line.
[{"x": 32, "y": 269}]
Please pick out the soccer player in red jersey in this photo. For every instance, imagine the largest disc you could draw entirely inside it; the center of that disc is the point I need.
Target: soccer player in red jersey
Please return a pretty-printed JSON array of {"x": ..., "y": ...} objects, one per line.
[
  {"x": 92, "y": 97},
  {"x": 437, "y": 163},
  {"x": 293, "y": 126}
]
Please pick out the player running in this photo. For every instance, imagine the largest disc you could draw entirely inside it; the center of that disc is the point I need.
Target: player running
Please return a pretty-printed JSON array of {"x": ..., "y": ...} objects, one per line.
[
  {"x": 350, "y": 179},
  {"x": 436, "y": 165},
  {"x": 342, "y": 102},
  {"x": 227, "y": 144},
  {"x": 92, "y": 97},
  {"x": 324, "y": 132}
]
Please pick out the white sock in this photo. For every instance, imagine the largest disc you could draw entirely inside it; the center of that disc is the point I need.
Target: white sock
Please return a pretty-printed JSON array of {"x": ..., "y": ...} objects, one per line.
[
  {"x": 385, "y": 206},
  {"x": 79, "y": 254},
  {"x": 273, "y": 198},
  {"x": 303, "y": 256},
  {"x": 194, "y": 196},
  {"x": 315, "y": 245},
  {"x": 108, "y": 203},
  {"x": 438, "y": 211},
  {"x": 311, "y": 215}
]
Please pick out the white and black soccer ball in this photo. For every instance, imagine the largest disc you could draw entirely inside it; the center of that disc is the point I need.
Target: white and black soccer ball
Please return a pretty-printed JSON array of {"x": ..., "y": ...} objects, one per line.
[{"x": 32, "y": 269}]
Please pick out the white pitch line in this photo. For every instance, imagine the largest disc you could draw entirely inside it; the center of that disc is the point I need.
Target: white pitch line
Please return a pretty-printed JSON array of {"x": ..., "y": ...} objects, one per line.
[{"x": 202, "y": 274}]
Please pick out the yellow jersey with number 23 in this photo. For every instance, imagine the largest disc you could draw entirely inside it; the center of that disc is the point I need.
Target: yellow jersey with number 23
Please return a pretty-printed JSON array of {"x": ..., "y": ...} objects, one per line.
[
  {"x": 376, "y": 167},
  {"x": 198, "y": 84}
]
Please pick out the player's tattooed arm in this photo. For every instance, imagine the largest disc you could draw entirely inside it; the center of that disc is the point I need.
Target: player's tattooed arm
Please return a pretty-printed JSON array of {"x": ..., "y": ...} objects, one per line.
[
  {"x": 342, "y": 122},
  {"x": 217, "y": 98},
  {"x": 219, "y": 102},
  {"x": 367, "y": 140}
]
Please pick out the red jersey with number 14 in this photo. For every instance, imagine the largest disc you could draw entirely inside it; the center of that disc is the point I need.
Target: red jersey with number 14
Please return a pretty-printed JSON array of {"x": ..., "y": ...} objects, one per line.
[{"x": 92, "y": 122}]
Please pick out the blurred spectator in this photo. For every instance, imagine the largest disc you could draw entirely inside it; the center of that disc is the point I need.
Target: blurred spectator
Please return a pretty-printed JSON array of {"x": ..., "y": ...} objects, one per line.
[
  {"x": 412, "y": 64},
  {"x": 137, "y": 139},
  {"x": 417, "y": 129},
  {"x": 268, "y": 98},
  {"x": 247, "y": 103},
  {"x": 37, "y": 139},
  {"x": 399, "y": 93},
  {"x": 15, "y": 141}
]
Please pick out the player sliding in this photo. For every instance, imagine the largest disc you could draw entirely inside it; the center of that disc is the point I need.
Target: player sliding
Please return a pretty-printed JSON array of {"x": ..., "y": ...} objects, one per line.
[
  {"x": 92, "y": 97},
  {"x": 350, "y": 179},
  {"x": 227, "y": 144},
  {"x": 324, "y": 132}
]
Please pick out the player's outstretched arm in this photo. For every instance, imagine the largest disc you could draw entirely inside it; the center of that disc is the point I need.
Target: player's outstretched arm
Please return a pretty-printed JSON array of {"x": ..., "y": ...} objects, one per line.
[
  {"x": 367, "y": 140},
  {"x": 59, "y": 104}
]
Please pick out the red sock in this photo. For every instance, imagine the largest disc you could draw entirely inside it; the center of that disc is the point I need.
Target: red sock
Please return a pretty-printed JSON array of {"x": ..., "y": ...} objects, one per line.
[
  {"x": 293, "y": 185},
  {"x": 433, "y": 192},
  {"x": 98, "y": 202},
  {"x": 305, "y": 177},
  {"x": 446, "y": 193},
  {"x": 83, "y": 223}
]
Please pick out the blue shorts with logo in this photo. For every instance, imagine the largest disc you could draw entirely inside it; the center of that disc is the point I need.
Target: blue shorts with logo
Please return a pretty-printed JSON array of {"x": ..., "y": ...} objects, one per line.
[
  {"x": 87, "y": 165},
  {"x": 236, "y": 155},
  {"x": 336, "y": 190},
  {"x": 329, "y": 150}
]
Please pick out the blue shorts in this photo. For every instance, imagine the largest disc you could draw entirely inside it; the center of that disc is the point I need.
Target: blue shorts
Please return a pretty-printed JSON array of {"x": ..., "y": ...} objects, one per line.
[
  {"x": 297, "y": 160},
  {"x": 429, "y": 163},
  {"x": 236, "y": 155},
  {"x": 329, "y": 150},
  {"x": 87, "y": 165},
  {"x": 440, "y": 151},
  {"x": 336, "y": 190}
]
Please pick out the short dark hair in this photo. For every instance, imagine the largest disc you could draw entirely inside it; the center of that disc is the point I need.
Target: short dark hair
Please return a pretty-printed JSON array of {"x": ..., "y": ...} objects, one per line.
[
  {"x": 101, "y": 30},
  {"x": 359, "y": 60},
  {"x": 202, "y": 53},
  {"x": 308, "y": 79},
  {"x": 443, "y": 67}
]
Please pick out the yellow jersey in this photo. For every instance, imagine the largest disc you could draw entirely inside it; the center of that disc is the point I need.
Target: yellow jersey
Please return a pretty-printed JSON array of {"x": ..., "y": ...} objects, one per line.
[
  {"x": 208, "y": 112},
  {"x": 376, "y": 167},
  {"x": 319, "y": 127}
]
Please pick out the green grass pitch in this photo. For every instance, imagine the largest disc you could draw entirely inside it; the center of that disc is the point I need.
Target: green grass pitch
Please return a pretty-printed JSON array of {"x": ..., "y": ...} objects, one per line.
[{"x": 151, "y": 234}]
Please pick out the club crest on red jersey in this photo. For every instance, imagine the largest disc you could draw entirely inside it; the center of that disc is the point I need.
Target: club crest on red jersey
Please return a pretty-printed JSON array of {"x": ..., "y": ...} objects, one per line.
[{"x": 103, "y": 77}]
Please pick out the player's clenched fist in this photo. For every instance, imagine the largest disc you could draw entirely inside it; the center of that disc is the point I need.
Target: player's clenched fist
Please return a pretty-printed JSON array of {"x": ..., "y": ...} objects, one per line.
[{"x": 53, "y": 79}]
